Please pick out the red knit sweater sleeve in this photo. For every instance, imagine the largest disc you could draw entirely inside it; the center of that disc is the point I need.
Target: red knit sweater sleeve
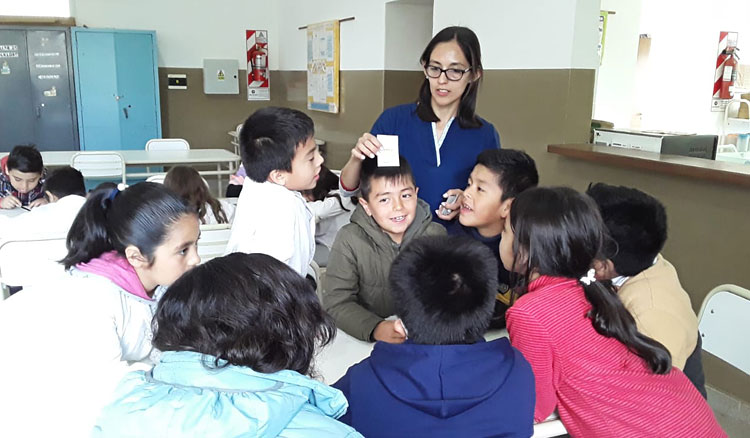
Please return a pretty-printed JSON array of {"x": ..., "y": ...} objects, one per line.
[{"x": 533, "y": 340}]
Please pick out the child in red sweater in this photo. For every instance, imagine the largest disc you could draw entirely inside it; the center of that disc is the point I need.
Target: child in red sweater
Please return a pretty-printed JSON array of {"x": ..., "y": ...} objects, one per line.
[{"x": 589, "y": 361}]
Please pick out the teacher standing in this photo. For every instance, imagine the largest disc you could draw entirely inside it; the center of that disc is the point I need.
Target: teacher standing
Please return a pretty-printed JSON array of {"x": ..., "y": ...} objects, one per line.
[{"x": 440, "y": 134}]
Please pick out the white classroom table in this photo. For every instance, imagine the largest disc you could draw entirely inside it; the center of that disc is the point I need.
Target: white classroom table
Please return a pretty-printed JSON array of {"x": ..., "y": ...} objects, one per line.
[
  {"x": 332, "y": 362},
  {"x": 12, "y": 212},
  {"x": 226, "y": 161}
]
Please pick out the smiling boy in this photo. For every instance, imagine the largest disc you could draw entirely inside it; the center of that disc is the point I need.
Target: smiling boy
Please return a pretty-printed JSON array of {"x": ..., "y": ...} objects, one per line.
[
  {"x": 389, "y": 216},
  {"x": 22, "y": 178},
  {"x": 281, "y": 159},
  {"x": 497, "y": 178}
]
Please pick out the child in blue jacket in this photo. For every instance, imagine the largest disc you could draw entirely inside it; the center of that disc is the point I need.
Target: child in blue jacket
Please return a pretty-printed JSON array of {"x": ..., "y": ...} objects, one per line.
[
  {"x": 445, "y": 380},
  {"x": 238, "y": 336}
]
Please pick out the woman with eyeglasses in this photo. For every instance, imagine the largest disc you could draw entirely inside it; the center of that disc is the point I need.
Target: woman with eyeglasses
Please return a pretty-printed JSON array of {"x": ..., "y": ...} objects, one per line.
[{"x": 440, "y": 134}]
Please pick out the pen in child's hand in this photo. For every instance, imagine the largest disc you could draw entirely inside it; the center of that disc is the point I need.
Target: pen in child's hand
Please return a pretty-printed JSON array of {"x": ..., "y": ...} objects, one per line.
[{"x": 25, "y": 208}]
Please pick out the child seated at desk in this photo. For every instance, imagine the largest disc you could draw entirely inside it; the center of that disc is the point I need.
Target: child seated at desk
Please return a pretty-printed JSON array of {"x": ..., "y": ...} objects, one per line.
[
  {"x": 238, "y": 335},
  {"x": 332, "y": 211},
  {"x": 590, "y": 363},
  {"x": 281, "y": 159},
  {"x": 646, "y": 283},
  {"x": 94, "y": 321},
  {"x": 499, "y": 175},
  {"x": 188, "y": 183},
  {"x": 22, "y": 178},
  {"x": 445, "y": 380},
  {"x": 65, "y": 192},
  {"x": 389, "y": 216}
]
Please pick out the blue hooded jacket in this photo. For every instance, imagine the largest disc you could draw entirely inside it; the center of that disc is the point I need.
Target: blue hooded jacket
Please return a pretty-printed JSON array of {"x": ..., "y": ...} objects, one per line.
[
  {"x": 181, "y": 397},
  {"x": 484, "y": 389}
]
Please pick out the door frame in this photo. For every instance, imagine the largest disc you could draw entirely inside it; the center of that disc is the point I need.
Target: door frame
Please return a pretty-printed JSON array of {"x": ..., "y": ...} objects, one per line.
[
  {"x": 155, "y": 52},
  {"x": 72, "y": 80}
]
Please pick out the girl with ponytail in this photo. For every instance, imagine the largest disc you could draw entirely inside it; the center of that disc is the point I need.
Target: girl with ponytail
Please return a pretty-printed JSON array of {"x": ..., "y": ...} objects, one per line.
[
  {"x": 84, "y": 330},
  {"x": 590, "y": 362}
]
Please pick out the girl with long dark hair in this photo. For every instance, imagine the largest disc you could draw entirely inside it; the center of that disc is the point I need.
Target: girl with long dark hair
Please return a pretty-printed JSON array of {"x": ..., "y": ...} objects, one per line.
[
  {"x": 188, "y": 183},
  {"x": 590, "y": 362}
]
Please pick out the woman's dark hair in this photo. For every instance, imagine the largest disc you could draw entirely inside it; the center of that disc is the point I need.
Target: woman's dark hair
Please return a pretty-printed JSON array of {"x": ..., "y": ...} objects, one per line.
[
  {"x": 188, "y": 183},
  {"x": 559, "y": 232},
  {"x": 469, "y": 43},
  {"x": 327, "y": 182},
  {"x": 247, "y": 310},
  {"x": 140, "y": 215}
]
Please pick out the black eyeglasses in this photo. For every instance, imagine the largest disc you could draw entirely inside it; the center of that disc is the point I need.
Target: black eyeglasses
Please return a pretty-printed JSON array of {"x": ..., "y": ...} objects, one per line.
[{"x": 453, "y": 74}]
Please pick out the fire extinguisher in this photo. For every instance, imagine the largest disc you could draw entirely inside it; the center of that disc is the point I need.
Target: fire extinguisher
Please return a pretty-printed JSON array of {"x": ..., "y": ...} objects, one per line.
[
  {"x": 259, "y": 60},
  {"x": 729, "y": 75}
]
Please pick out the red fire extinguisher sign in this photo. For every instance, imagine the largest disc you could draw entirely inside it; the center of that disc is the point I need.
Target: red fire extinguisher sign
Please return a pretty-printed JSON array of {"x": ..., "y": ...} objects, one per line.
[{"x": 725, "y": 74}]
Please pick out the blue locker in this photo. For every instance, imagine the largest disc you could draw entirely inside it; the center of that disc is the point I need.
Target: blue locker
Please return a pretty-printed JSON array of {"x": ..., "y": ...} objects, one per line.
[{"x": 117, "y": 88}]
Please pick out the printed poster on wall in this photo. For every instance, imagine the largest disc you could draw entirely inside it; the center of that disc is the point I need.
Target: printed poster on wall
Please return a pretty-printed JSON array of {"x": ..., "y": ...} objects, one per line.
[
  {"x": 258, "y": 78},
  {"x": 323, "y": 66}
]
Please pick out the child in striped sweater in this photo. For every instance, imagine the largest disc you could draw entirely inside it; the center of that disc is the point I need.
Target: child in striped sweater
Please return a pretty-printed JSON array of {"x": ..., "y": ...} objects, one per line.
[{"x": 590, "y": 363}]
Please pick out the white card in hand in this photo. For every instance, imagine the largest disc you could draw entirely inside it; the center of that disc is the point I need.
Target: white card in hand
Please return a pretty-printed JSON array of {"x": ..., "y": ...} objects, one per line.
[{"x": 388, "y": 155}]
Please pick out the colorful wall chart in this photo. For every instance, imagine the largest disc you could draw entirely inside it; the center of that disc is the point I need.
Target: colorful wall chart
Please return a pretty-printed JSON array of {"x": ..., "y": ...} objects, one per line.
[{"x": 323, "y": 66}]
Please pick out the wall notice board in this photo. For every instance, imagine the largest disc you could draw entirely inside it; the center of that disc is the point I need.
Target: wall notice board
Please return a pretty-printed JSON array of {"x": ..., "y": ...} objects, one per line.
[{"x": 323, "y": 66}]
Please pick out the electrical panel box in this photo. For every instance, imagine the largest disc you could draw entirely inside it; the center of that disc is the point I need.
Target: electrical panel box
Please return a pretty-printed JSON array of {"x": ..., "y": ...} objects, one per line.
[{"x": 220, "y": 76}]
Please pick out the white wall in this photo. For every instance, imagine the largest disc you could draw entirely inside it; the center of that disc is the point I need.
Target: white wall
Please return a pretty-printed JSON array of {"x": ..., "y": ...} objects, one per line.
[
  {"x": 680, "y": 78},
  {"x": 362, "y": 40},
  {"x": 526, "y": 35},
  {"x": 35, "y": 8},
  {"x": 187, "y": 30},
  {"x": 408, "y": 29},
  {"x": 675, "y": 93},
  {"x": 615, "y": 99}
]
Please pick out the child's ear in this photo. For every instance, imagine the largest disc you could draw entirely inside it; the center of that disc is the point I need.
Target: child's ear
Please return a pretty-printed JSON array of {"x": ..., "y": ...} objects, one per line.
[
  {"x": 505, "y": 207},
  {"x": 605, "y": 269},
  {"x": 278, "y": 177},
  {"x": 400, "y": 328},
  {"x": 365, "y": 205},
  {"x": 135, "y": 258}
]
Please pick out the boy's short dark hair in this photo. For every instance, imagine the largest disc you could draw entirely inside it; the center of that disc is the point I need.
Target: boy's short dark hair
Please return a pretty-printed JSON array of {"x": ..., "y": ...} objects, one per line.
[
  {"x": 65, "y": 181},
  {"x": 370, "y": 171},
  {"x": 637, "y": 225},
  {"x": 25, "y": 159},
  {"x": 515, "y": 170},
  {"x": 444, "y": 289},
  {"x": 269, "y": 138}
]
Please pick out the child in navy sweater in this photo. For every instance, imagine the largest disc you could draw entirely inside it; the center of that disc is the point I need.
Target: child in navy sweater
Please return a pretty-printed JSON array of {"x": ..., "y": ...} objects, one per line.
[{"x": 445, "y": 380}]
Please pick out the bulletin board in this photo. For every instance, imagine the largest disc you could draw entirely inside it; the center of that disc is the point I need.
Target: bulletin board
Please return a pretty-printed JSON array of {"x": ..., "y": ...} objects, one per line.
[{"x": 323, "y": 66}]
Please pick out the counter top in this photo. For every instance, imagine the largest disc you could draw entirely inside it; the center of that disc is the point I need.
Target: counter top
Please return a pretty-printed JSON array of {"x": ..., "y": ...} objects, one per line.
[{"x": 694, "y": 168}]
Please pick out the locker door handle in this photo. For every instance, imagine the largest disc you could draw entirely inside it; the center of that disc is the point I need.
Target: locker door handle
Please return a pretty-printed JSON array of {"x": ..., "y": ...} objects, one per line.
[
  {"x": 39, "y": 111},
  {"x": 125, "y": 110}
]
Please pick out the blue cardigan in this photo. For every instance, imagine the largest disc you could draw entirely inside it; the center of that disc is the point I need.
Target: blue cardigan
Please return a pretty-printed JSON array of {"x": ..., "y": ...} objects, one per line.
[
  {"x": 411, "y": 390},
  {"x": 458, "y": 153}
]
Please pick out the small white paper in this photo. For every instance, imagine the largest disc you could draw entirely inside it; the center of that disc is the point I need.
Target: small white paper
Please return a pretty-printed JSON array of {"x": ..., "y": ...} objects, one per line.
[{"x": 388, "y": 155}]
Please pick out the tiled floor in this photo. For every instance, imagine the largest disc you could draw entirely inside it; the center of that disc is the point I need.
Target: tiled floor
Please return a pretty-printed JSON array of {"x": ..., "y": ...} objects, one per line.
[{"x": 733, "y": 415}]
